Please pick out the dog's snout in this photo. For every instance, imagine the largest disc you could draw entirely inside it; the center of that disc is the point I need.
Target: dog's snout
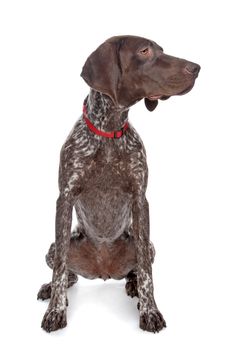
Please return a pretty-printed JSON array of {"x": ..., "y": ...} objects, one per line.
[{"x": 192, "y": 68}]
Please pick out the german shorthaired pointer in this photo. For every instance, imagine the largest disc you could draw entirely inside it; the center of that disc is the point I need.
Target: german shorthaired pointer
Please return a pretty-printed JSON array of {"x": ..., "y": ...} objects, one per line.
[{"x": 103, "y": 174}]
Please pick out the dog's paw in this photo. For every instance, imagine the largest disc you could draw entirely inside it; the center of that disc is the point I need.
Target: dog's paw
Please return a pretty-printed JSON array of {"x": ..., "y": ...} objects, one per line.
[
  {"x": 152, "y": 320},
  {"x": 54, "y": 320},
  {"x": 131, "y": 288},
  {"x": 44, "y": 292}
]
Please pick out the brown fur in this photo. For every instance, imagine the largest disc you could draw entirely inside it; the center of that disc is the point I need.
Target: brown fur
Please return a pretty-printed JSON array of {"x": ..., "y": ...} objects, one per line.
[{"x": 105, "y": 180}]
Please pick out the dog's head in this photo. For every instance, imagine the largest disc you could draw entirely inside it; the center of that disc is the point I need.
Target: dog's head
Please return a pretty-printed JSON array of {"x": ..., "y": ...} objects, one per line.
[{"x": 130, "y": 68}]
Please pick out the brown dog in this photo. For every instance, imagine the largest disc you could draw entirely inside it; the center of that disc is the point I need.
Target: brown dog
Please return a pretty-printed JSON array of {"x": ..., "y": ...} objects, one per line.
[{"x": 103, "y": 174}]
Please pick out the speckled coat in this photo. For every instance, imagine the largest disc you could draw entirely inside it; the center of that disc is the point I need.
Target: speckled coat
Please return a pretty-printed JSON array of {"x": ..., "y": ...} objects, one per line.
[{"x": 105, "y": 179}]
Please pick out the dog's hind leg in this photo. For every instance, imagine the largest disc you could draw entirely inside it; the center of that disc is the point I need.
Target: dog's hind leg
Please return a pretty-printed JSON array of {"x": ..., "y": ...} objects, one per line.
[
  {"x": 131, "y": 278},
  {"x": 131, "y": 284},
  {"x": 45, "y": 290}
]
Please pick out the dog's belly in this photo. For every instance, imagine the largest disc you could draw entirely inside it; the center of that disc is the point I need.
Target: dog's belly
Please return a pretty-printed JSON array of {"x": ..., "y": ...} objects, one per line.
[
  {"x": 105, "y": 212},
  {"x": 105, "y": 260}
]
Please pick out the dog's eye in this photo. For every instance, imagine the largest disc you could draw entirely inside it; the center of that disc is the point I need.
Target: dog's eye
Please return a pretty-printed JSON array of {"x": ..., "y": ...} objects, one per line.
[{"x": 145, "y": 51}]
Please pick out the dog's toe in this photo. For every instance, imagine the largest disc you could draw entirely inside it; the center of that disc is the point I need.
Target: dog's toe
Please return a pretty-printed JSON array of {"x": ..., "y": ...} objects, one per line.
[{"x": 152, "y": 321}]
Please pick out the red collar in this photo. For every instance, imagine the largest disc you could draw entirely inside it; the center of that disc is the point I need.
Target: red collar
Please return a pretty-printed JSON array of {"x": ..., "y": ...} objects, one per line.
[{"x": 112, "y": 134}]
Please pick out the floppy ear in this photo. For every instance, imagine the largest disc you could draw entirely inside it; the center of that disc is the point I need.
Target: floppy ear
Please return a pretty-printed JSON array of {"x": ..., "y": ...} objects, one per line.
[
  {"x": 101, "y": 70},
  {"x": 150, "y": 105}
]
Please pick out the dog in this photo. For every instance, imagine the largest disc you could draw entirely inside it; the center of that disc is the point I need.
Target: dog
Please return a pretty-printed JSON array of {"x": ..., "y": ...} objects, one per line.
[{"x": 103, "y": 174}]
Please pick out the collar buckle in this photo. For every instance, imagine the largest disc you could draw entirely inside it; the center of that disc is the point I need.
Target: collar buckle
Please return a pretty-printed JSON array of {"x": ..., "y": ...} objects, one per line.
[{"x": 118, "y": 133}]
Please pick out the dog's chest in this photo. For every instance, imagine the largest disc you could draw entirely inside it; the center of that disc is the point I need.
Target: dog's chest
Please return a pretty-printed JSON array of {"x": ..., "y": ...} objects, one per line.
[
  {"x": 109, "y": 155},
  {"x": 110, "y": 168},
  {"x": 105, "y": 201}
]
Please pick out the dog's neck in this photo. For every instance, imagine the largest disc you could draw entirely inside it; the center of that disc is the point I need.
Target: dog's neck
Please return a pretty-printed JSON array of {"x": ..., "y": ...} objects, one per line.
[{"x": 103, "y": 113}]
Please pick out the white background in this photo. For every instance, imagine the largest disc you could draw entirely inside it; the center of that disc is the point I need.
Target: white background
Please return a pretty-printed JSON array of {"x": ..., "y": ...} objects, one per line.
[{"x": 189, "y": 145}]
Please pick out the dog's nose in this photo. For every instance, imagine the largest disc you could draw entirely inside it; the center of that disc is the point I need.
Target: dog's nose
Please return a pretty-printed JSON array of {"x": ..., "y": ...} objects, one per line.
[{"x": 192, "y": 68}]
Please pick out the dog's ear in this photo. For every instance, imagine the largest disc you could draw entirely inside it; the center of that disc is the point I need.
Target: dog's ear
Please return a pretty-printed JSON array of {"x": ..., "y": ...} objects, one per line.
[
  {"x": 101, "y": 70},
  {"x": 150, "y": 105}
]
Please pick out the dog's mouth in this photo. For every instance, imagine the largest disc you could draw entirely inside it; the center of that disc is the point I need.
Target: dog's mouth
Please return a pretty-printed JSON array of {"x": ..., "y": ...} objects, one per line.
[
  {"x": 151, "y": 101},
  {"x": 158, "y": 97},
  {"x": 185, "y": 91},
  {"x": 165, "y": 97}
]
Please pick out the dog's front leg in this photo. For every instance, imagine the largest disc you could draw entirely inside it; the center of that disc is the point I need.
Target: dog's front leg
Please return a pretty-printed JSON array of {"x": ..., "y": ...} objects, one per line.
[
  {"x": 150, "y": 317},
  {"x": 55, "y": 316}
]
